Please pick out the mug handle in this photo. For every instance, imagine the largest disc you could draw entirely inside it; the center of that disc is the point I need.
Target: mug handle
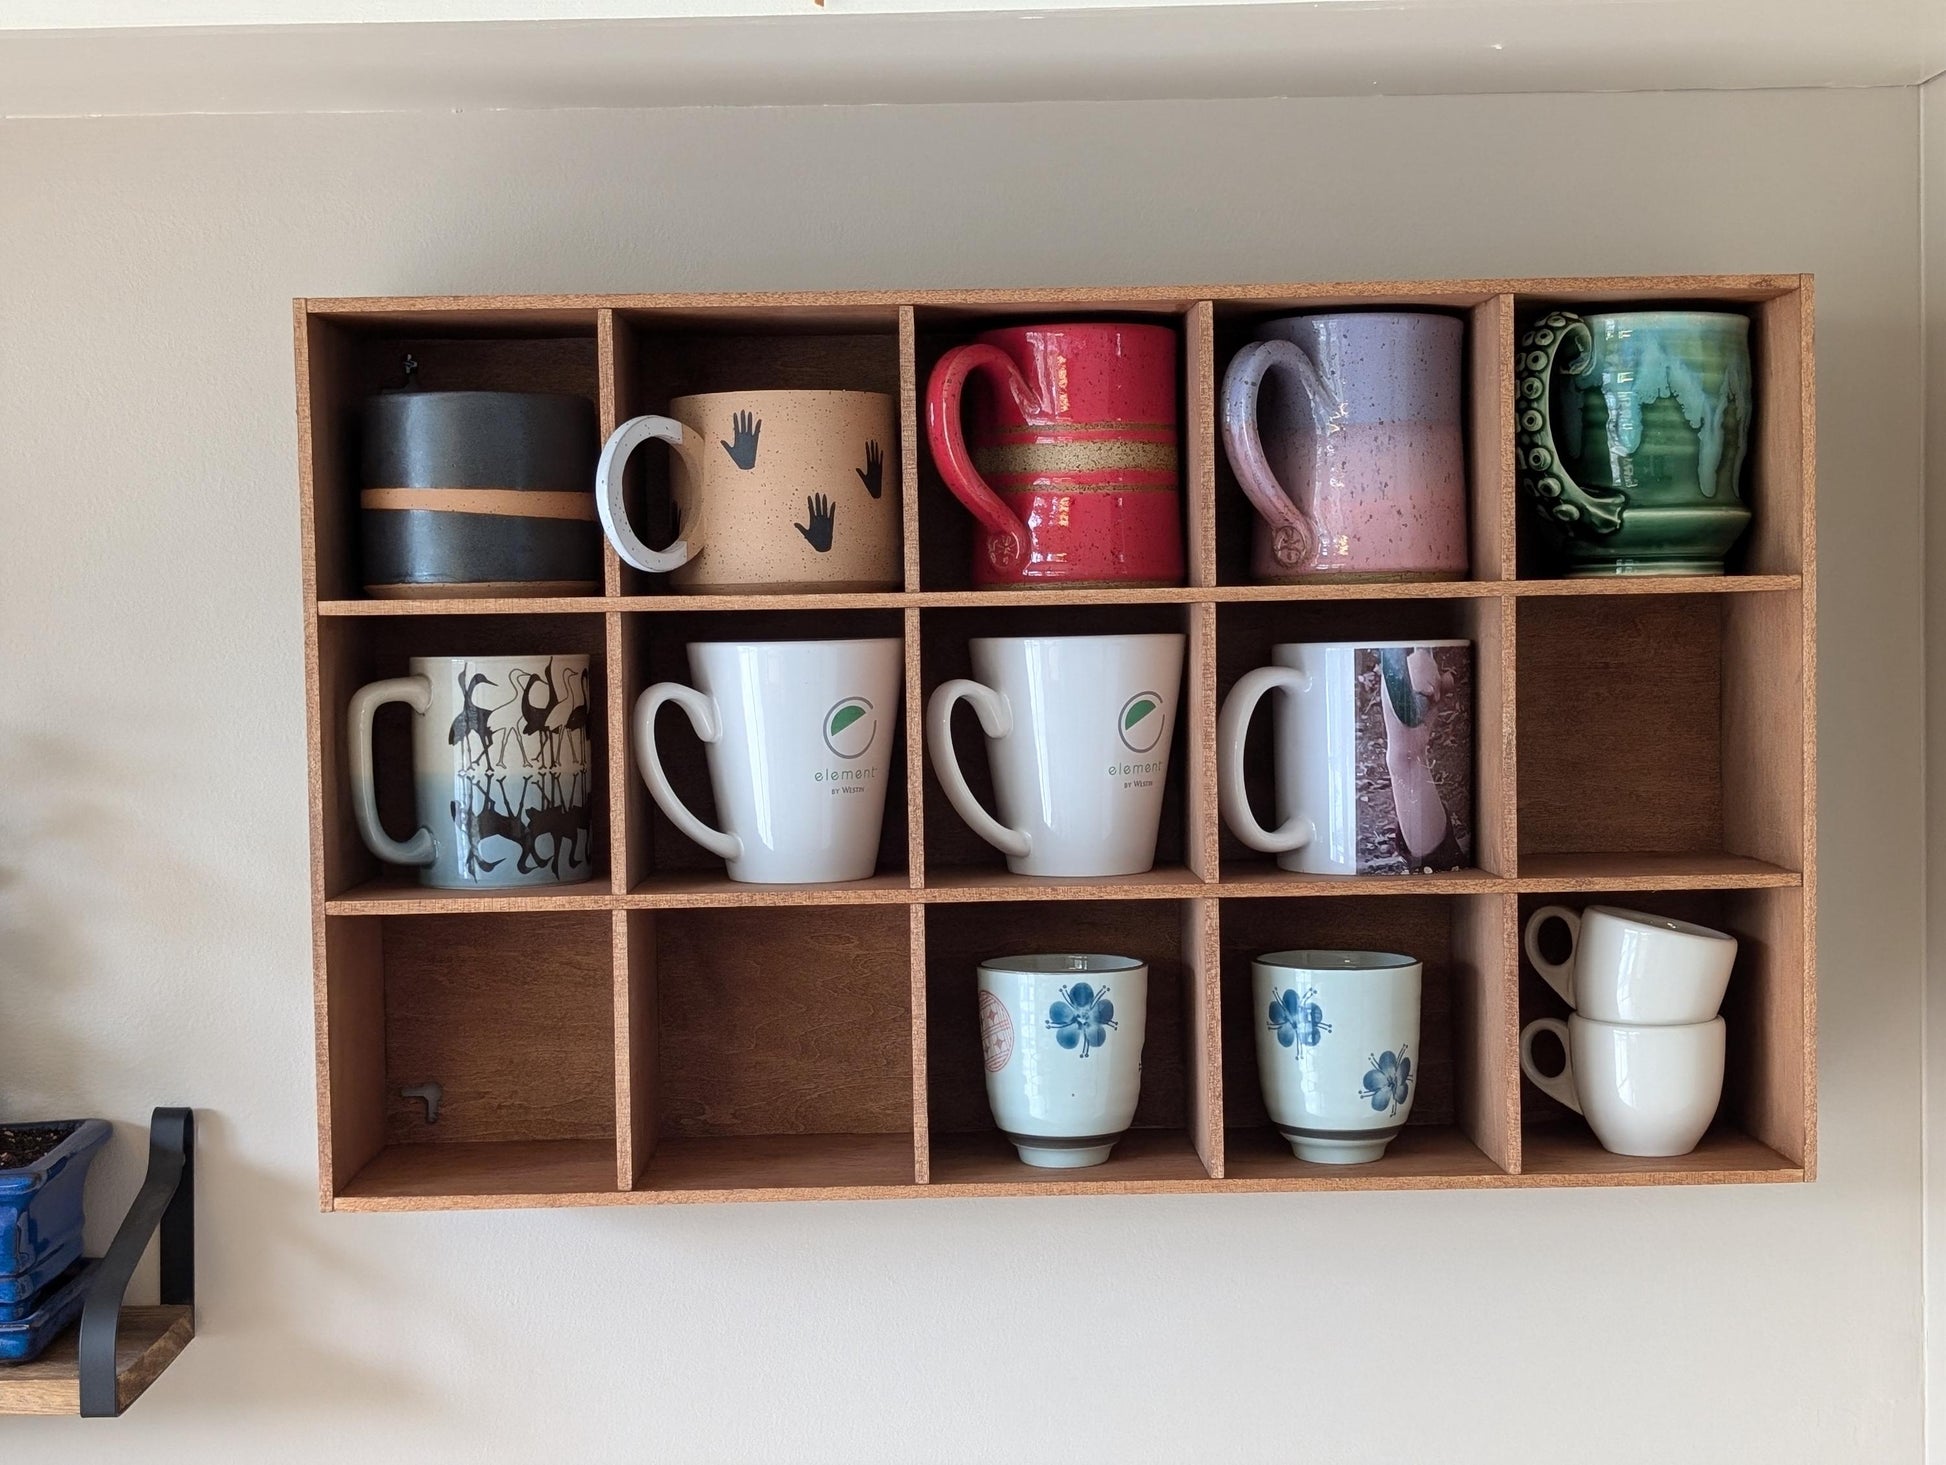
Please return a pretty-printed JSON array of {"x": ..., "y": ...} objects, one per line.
[
  {"x": 1231, "y": 729},
  {"x": 416, "y": 693},
  {"x": 1006, "y": 544},
  {"x": 1293, "y": 537},
  {"x": 608, "y": 493},
  {"x": 1558, "y": 1086},
  {"x": 709, "y": 727},
  {"x": 996, "y": 721},
  {"x": 1543, "y": 474},
  {"x": 1558, "y": 975}
]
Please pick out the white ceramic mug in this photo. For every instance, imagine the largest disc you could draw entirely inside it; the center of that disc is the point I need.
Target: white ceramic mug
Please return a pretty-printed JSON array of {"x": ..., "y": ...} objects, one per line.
[
  {"x": 1078, "y": 731},
  {"x": 1373, "y": 756},
  {"x": 1643, "y": 1090},
  {"x": 1337, "y": 1049},
  {"x": 799, "y": 741},
  {"x": 1061, "y": 1037},
  {"x": 1633, "y": 967}
]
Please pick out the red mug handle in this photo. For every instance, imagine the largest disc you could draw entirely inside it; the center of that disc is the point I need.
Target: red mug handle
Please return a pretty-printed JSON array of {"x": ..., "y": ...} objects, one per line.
[{"x": 1006, "y": 536}]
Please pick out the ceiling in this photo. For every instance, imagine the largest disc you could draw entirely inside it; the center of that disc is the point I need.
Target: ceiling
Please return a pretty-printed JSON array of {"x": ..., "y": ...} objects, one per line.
[{"x": 114, "y": 57}]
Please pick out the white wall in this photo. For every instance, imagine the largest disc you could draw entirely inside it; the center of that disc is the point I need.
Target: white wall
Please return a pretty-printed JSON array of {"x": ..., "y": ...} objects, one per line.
[{"x": 154, "y": 939}]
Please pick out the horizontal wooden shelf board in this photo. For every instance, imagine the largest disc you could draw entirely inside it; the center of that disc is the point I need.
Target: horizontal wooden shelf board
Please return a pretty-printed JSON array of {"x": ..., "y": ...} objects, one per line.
[
  {"x": 772, "y": 1166},
  {"x": 488, "y": 1173},
  {"x": 985, "y": 1163},
  {"x": 1658, "y": 585},
  {"x": 1165, "y": 882},
  {"x": 1259, "y": 1158},
  {"x": 1569, "y": 1155},
  {"x": 701, "y": 889},
  {"x": 397, "y": 896},
  {"x": 1271, "y": 880},
  {"x": 148, "y": 1341},
  {"x": 511, "y": 605},
  {"x": 1569, "y": 873}
]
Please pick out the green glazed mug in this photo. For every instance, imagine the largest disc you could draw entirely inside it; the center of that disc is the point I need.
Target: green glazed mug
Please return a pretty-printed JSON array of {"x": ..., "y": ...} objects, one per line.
[{"x": 1632, "y": 438}]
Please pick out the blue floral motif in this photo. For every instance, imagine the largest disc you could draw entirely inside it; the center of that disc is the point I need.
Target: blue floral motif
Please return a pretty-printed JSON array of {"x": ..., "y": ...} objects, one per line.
[
  {"x": 1297, "y": 1019},
  {"x": 1388, "y": 1082},
  {"x": 1081, "y": 1017}
]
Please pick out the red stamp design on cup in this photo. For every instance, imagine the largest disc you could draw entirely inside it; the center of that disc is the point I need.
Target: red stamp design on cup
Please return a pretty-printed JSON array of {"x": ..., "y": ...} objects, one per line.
[{"x": 996, "y": 1032}]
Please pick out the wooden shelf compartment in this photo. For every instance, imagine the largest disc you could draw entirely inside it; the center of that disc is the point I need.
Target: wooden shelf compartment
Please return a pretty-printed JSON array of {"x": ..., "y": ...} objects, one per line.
[
  {"x": 1768, "y": 1118},
  {"x": 1674, "y": 727},
  {"x": 1777, "y": 474},
  {"x": 1177, "y": 1134},
  {"x": 343, "y": 357},
  {"x": 512, "y": 1015},
  {"x": 943, "y": 531},
  {"x": 766, "y": 1049},
  {"x": 1465, "y": 1115},
  {"x": 148, "y": 1341},
  {"x": 1246, "y": 635},
  {"x": 650, "y": 356},
  {"x": 353, "y": 651},
  {"x": 1487, "y": 403}
]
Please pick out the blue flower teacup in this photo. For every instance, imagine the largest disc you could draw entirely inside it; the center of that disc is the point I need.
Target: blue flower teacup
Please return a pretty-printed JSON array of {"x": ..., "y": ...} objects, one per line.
[
  {"x": 1061, "y": 1037},
  {"x": 1337, "y": 1049}
]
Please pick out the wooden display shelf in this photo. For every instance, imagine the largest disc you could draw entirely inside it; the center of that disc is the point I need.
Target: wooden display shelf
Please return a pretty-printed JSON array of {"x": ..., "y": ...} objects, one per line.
[
  {"x": 665, "y": 1035},
  {"x": 149, "y": 1341}
]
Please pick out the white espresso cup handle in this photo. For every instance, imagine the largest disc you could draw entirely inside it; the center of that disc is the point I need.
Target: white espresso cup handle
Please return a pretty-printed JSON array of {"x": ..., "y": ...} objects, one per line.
[
  {"x": 1557, "y": 1086},
  {"x": 609, "y": 476},
  {"x": 709, "y": 727},
  {"x": 416, "y": 693},
  {"x": 1231, "y": 729},
  {"x": 996, "y": 721},
  {"x": 1558, "y": 975}
]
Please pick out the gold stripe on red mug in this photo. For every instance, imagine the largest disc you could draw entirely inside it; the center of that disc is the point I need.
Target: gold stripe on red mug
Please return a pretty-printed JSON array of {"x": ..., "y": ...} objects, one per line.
[
  {"x": 509, "y": 503},
  {"x": 1077, "y": 457}
]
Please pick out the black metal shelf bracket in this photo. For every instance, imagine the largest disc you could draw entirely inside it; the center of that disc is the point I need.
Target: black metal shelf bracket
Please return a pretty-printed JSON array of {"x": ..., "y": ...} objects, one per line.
[{"x": 166, "y": 1204}]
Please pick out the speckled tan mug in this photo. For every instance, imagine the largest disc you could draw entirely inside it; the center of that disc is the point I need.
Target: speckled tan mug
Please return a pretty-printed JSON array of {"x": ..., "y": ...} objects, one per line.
[{"x": 773, "y": 492}]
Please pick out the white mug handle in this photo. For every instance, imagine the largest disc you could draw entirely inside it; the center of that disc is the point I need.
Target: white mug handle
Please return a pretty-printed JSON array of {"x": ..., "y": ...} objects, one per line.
[
  {"x": 709, "y": 727},
  {"x": 609, "y": 476},
  {"x": 1558, "y": 975},
  {"x": 416, "y": 693},
  {"x": 1231, "y": 729},
  {"x": 1557, "y": 1086},
  {"x": 996, "y": 721}
]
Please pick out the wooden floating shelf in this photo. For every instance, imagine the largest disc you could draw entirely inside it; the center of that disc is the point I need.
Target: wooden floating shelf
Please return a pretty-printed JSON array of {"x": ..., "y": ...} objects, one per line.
[
  {"x": 663, "y": 1035},
  {"x": 149, "y": 1341}
]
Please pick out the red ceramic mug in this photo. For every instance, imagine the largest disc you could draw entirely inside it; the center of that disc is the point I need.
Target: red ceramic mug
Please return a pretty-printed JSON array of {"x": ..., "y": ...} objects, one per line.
[{"x": 1070, "y": 460}]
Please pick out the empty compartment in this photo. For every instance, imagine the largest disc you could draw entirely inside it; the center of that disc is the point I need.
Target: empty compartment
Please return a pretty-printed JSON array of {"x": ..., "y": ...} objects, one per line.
[
  {"x": 512, "y": 794},
  {"x": 1177, "y": 1103},
  {"x": 1463, "y": 1110},
  {"x": 663, "y": 354},
  {"x": 1372, "y": 450},
  {"x": 949, "y": 534},
  {"x": 353, "y": 357},
  {"x": 1765, "y": 1127},
  {"x": 1475, "y": 796},
  {"x": 664, "y": 863},
  {"x": 1773, "y": 484},
  {"x": 771, "y": 1048},
  {"x": 469, "y": 1057},
  {"x": 1662, "y": 736},
  {"x": 957, "y": 856}
]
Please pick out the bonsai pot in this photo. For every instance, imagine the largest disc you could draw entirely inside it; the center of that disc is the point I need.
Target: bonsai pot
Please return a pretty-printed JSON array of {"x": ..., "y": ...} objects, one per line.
[{"x": 43, "y": 1168}]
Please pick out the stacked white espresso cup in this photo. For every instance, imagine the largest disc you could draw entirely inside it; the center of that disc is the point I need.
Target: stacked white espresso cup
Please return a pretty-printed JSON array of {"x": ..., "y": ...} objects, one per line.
[{"x": 1644, "y": 1045}]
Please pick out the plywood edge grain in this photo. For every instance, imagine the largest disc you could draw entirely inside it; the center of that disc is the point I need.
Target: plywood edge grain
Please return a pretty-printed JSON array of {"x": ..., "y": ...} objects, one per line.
[{"x": 147, "y": 1342}]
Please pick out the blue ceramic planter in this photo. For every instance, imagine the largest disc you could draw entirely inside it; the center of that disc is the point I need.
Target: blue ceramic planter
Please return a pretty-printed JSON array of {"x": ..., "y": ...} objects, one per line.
[
  {"x": 40, "y": 1213},
  {"x": 27, "y": 1338}
]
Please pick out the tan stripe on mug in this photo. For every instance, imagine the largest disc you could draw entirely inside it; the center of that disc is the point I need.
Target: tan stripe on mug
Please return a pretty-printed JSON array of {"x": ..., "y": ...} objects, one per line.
[{"x": 509, "y": 503}]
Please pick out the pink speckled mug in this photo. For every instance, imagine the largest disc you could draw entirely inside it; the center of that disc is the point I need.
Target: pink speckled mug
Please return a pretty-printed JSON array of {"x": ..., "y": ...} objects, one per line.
[{"x": 1352, "y": 453}]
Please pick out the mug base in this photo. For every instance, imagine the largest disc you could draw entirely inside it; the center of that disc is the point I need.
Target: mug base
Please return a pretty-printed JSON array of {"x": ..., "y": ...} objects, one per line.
[
  {"x": 1618, "y": 568},
  {"x": 505, "y": 887},
  {"x": 481, "y": 589},
  {"x": 791, "y": 587},
  {"x": 1657, "y": 1150},
  {"x": 1358, "y": 577},
  {"x": 1350, "y": 1150},
  {"x": 1062, "y": 1152}
]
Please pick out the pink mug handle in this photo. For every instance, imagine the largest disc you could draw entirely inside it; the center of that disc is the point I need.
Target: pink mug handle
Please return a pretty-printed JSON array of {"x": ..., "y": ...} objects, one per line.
[
  {"x": 1293, "y": 537},
  {"x": 1006, "y": 543}
]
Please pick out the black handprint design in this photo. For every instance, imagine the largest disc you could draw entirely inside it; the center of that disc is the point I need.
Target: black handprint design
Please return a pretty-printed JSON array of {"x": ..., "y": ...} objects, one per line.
[
  {"x": 823, "y": 516},
  {"x": 743, "y": 452},
  {"x": 873, "y": 473}
]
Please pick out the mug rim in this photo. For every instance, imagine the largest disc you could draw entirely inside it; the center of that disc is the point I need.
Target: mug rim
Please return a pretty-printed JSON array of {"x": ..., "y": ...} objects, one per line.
[
  {"x": 1650, "y": 920},
  {"x": 1576, "y": 1019},
  {"x": 1725, "y": 315},
  {"x": 1110, "y": 636},
  {"x": 797, "y": 392},
  {"x": 522, "y": 656},
  {"x": 421, "y": 394},
  {"x": 1349, "y": 961},
  {"x": 1099, "y": 964},
  {"x": 805, "y": 641},
  {"x": 1362, "y": 315},
  {"x": 1058, "y": 324}
]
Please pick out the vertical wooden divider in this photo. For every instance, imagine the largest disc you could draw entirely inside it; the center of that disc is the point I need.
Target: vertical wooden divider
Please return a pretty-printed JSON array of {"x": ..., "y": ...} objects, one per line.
[
  {"x": 1201, "y": 839},
  {"x": 1202, "y": 950},
  {"x": 1490, "y": 438},
  {"x": 921, "y": 1113},
  {"x": 1486, "y": 1024},
  {"x": 615, "y": 358},
  {"x": 909, "y": 439},
  {"x": 1199, "y": 443},
  {"x": 915, "y": 754},
  {"x": 635, "y": 1045},
  {"x": 1491, "y": 626}
]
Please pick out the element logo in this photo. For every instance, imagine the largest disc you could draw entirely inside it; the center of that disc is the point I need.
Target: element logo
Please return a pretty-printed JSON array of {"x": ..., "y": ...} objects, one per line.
[
  {"x": 1141, "y": 722},
  {"x": 849, "y": 728}
]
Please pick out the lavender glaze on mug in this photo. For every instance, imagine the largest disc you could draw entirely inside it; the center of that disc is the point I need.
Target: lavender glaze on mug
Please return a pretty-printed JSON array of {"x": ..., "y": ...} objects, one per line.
[{"x": 1344, "y": 431}]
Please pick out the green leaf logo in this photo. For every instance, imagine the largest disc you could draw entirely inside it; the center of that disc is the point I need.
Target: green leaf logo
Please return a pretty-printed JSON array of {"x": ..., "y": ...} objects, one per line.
[
  {"x": 1142, "y": 722},
  {"x": 850, "y": 728}
]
